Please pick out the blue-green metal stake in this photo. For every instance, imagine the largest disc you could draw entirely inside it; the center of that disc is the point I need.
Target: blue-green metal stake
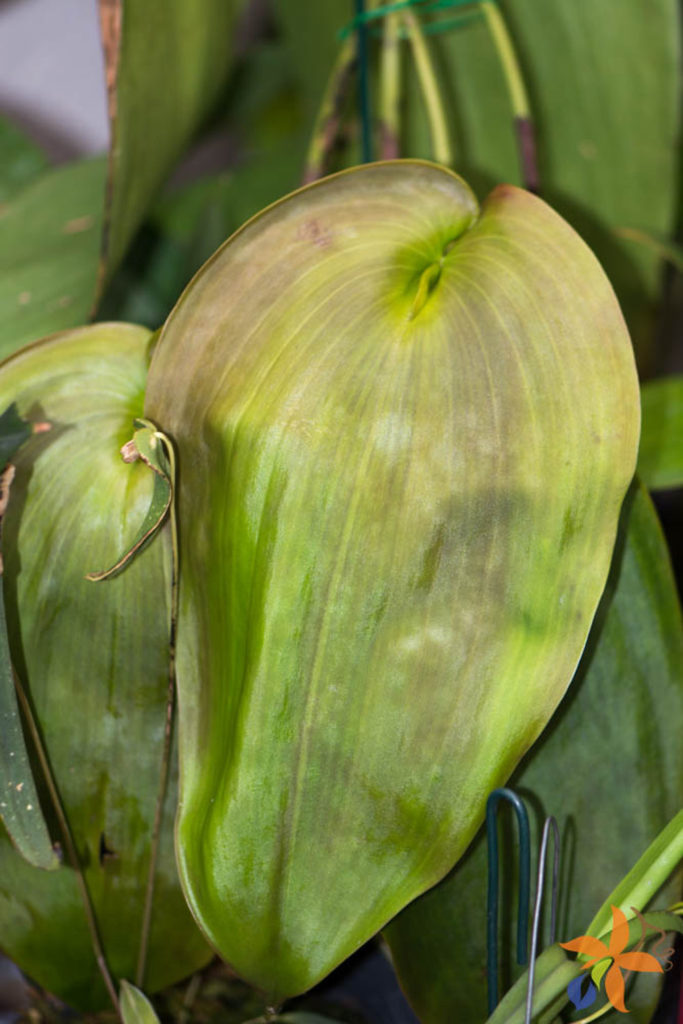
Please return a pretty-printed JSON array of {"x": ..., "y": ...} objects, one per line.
[
  {"x": 524, "y": 886},
  {"x": 363, "y": 81}
]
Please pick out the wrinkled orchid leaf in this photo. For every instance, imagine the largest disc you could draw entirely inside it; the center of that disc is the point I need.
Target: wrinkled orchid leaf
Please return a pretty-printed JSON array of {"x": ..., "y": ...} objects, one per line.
[
  {"x": 135, "y": 1006},
  {"x": 22, "y": 160},
  {"x": 628, "y": 697},
  {"x": 150, "y": 447},
  {"x": 555, "y": 971},
  {"x": 569, "y": 54},
  {"x": 94, "y": 662},
  {"x": 49, "y": 244},
  {"x": 386, "y": 569},
  {"x": 20, "y": 809},
  {"x": 167, "y": 61},
  {"x": 660, "y": 459}
]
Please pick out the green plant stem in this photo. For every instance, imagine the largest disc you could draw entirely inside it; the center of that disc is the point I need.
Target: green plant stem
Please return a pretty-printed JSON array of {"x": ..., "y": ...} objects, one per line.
[
  {"x": 519, "y": 99},
  {"x": 326, "y": 128},
  {"x": 69, "y": 845},
  {"x": 168, "y": 728},
  {"x": 390, "y": 114},
  {"x": 441, "y": 145}
]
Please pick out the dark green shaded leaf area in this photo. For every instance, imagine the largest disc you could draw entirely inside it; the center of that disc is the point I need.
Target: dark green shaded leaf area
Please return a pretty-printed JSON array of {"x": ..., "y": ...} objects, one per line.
[
  {"x": 19, "y": 804},
  {"x": 603, "y": 85},
  {"x": 167, "y": 62},
  {"x": 608, "y": 767},
  {"x": 386, "y": 570},
  {"x": 21, "y": 161},
  {"x": 660, "y": 458},
  {"x": 94, "y": 661},
  {"x": 50, "y": 234}
]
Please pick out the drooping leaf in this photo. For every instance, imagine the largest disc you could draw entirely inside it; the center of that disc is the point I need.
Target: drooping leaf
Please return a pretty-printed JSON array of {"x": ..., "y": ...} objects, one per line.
[
  {"x": 49, "y": 242},
  {"x": 21, "y": 161},
  {"x": 20, "y": 809},
  {"x": 387, "y": 570},
  {"x": 166, "y": 63},
  {"x": 135, "y": 1006},
  {"x": 95, "y": 662},
  {"x": 660, "y": 459},
  {"x": 607, "y": 767},
  {"x": 598, "y": 74}
]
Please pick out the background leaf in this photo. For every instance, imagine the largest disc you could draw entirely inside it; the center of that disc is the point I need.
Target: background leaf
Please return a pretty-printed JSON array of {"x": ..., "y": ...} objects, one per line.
[
  {"x": 660, "y": 458},
  {"x": 22, "y": 160},
  {"x": 607, "y": 767},
  {"x": 167, "y": 61},
  {"x": 49, "y": 244}
]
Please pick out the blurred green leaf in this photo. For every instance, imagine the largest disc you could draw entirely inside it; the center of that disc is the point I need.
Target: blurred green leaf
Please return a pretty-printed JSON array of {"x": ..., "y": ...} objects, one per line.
[
  {"x": 19, "y": 804},
  {"x": 660, "y": 459},
  {"x": 136, "y": 1007},
  {"x": 599, "y": 76},
  {"x": 368, "y": 518},
  {"x": 22, "y": 160},
  {"x": 608, "y": 767},
  {"x": 94, "y": 661},
  {"x": 49, "y": 244},
  {"x": 167, "y": 61}
]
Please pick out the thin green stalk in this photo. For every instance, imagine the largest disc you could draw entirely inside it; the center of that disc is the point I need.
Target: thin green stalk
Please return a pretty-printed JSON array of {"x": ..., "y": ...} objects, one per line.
[
  {"x": 390, "y": 86},
  {"x": 441, "y": 145},
  {"x": 519, "y": 100},
  {"x": 69, "y": 845},
  {"x": 326, "y": 128},
  {"x": 168, "y": 729}
]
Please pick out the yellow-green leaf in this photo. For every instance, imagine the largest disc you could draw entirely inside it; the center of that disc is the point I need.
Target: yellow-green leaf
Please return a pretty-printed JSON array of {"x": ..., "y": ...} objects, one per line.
[
  {"x": 135, "y": 1006},
  {"x": 395, "y": 527}
]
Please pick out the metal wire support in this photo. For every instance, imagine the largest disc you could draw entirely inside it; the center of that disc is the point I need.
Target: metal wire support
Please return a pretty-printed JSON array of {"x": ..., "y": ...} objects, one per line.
[
  {"x": 364, "y": 81},
  {"x": 550, "y": 823},
  {"x": 523, "y": 890}
]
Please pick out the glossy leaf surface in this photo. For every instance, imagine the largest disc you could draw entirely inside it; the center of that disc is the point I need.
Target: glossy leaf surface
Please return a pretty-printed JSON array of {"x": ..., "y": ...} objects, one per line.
[
  {"x": 94, "y": 660},
  {"x": 608, "y": 767},
  {"x": 388, "y": 574},
  {"x": 660, "y": 458},
  {"x": 599, "y": 75},
  {"x": 166, "y": 63},
  {"x": 49, "y": 244}
]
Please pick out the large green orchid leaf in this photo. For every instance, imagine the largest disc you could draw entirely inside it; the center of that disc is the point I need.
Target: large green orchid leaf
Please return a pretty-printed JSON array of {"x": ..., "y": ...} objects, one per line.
[
  {"x": 49, "y": 243},
  {"x": 94, "y": 659},
  {"x": 166, "y": 63},
  {"x": 660, "y": 459},
  {"x": 405, "y": 427},
  {"x": 599, "y": 76},
  {"x": 608, "y": 767}
]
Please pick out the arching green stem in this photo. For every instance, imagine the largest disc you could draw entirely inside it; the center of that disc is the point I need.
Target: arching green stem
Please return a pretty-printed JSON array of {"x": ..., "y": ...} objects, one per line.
[
  {"x": 424, "y": 66},
  {"x": 390, "y": 79},
  {"x": 326, "y": 128},
  {"x": 519, "y": 99}
]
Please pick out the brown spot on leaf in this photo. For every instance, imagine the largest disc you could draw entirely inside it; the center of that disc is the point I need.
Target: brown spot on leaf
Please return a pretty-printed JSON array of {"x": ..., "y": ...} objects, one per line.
[{"x": 78, "y": 224}]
